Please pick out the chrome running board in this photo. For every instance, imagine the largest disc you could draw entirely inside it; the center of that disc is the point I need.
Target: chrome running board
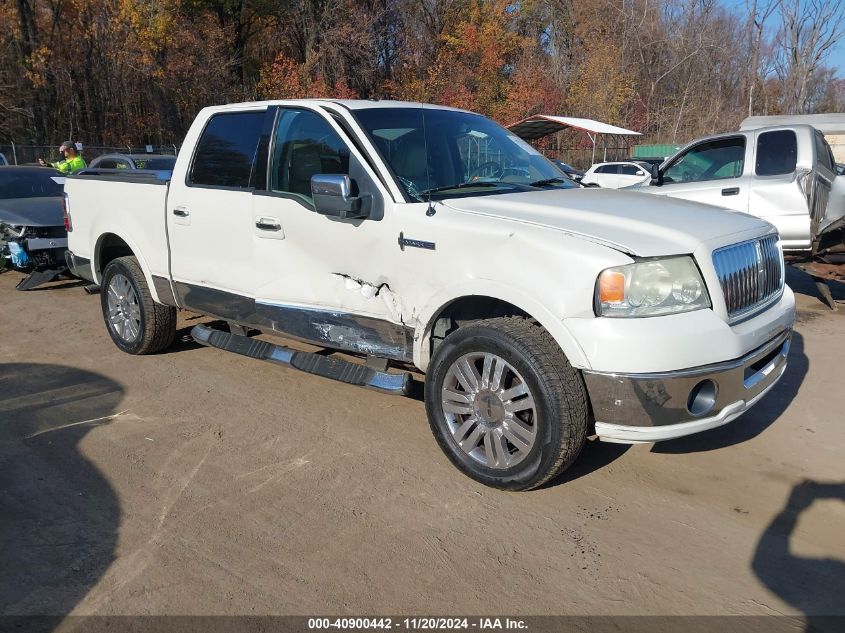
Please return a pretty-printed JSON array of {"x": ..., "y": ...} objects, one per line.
[{"x": 317, "y": 364}]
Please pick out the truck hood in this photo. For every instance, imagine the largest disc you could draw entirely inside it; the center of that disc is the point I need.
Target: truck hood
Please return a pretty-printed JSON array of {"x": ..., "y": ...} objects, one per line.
[
  {"x": 633, "y": 223},
  {"x": 45, "y": 211}
]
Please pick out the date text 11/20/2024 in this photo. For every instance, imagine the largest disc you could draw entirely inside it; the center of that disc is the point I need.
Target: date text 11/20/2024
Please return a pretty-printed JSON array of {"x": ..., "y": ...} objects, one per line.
[{"x": 416, "y": 624}]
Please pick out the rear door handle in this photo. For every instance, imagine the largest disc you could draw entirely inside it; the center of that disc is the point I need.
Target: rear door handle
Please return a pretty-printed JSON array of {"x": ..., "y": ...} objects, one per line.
[
  {"x": 267, "y": 225},
  {"x": 181, "y": 212},
  {"x": 730, "y": 191}
]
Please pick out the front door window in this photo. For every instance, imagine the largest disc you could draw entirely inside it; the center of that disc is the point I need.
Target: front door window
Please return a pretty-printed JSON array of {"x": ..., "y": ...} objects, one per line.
[
  {"x": 713, "y": 160},
  {"x": 305, "y": 145}
]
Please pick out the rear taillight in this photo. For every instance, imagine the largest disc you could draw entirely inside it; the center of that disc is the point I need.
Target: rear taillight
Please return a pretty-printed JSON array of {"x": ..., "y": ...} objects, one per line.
[{"x": 66, "y": 213}]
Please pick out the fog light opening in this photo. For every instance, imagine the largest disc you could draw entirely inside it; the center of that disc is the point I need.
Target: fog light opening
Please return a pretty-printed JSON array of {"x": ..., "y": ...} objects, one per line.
[{"x": 702, "y": 397}]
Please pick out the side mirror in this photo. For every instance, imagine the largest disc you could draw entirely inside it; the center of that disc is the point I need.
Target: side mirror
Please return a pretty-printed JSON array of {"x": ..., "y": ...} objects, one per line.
[
  {"x": 332, "y": 194},
  {"x": 656, "y": 176}
]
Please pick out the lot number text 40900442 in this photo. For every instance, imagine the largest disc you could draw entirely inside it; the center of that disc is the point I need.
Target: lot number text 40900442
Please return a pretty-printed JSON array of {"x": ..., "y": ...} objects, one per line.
[{"x": 416, "y": 624}]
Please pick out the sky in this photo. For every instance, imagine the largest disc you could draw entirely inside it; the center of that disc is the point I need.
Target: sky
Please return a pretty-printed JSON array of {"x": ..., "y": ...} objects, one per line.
[{"x": 835, "y": 60}]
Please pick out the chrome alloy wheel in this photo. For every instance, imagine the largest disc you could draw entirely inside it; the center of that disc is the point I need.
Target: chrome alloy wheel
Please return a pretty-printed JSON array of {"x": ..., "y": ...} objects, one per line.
[
  {"x": 124, "y": 311},
  {"x": 489, "y": 410}
]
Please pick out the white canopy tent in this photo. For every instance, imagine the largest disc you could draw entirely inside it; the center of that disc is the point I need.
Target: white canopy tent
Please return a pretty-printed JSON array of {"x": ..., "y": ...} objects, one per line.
[{"x": 541, "y": 125}]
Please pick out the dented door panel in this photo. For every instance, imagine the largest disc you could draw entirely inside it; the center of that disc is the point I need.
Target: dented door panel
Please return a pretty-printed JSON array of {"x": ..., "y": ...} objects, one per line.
[
  {"x": 779, "y": 200},
  {"x": 324, "y": 262}
]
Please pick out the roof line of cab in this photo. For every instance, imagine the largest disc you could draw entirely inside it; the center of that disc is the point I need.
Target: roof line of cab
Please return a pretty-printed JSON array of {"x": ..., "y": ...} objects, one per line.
[{"x": 349, "y": 104}]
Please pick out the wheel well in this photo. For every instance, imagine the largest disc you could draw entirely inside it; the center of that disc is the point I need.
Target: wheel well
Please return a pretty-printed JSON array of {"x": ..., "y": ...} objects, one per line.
[
  {"x": 110, "y": 247},
  {"x": 465, "y": 310}
]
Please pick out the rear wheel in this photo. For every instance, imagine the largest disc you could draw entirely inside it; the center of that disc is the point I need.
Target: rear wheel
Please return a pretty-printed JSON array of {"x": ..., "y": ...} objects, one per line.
[
  {"x": 505, "y": 405},
  {"x": 136, "y": 323}
]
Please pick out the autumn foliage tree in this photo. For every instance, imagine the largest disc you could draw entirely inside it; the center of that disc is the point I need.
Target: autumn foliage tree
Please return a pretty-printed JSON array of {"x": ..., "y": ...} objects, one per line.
[
  {"x": 283, "y": 78},
  {"x": 117, "y": 72}
]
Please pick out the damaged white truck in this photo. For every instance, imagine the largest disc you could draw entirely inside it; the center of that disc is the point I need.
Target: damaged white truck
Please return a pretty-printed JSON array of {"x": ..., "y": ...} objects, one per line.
[
  {"x": 785, "y": 174},
  {"x": 418, "y": 236}
]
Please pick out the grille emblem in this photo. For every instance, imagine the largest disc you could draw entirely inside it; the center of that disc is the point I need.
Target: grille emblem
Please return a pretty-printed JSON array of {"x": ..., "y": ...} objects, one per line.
[{"x": 761, "y": 271}]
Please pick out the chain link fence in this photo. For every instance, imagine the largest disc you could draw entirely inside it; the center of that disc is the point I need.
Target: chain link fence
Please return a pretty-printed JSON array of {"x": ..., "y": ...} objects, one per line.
[{"x": 17, "y": 154}]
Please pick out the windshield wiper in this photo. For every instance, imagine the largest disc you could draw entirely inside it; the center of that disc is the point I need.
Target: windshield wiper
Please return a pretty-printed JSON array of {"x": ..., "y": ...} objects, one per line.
[
  {"x": 548, "y": 181},
  {"x": 464, "y": 185}
]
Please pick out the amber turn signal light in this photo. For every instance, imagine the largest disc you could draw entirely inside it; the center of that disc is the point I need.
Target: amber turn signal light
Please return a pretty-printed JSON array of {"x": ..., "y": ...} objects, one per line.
[{"x": 611, "y": 287}]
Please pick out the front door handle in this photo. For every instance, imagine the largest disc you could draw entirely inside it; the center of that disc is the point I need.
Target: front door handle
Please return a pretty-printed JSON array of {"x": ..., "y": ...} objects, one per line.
[
  {"x": 266, "y": 225},
  {"x": 730, "y": 191},
  {"x": 181, "y": 212}
]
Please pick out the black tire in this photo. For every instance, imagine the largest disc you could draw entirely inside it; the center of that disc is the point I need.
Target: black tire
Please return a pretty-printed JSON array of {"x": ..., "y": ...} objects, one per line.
[
  {"x": 157, "y": 327},
  {"x": 559, "y": 417}
]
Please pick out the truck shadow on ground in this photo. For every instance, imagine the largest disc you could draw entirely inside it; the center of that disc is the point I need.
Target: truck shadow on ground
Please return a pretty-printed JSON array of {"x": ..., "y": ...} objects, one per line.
[
  {"x": 183, "y": 341},
  {"x": 64, "y": 281},
  {"x": 755, "y": 421},
  {"x": 59, "y": 515},
  {"x": 812, "y": 585},
  {"x": 594, "y": 456},
  {"x": 61, "y": 284}
]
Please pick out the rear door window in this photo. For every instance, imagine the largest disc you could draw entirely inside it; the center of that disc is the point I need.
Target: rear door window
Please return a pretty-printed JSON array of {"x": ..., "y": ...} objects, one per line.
[
  {"x": 607, "y": 169},
  {"x": 226, "y": 151},
  {"x": 777, "y": 153},
  {"x": 712, "y": 160}
]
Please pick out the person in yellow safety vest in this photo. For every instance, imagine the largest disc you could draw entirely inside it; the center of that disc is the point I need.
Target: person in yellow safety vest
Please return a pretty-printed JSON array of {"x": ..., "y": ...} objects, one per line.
[{"x": 72, "y": 161}]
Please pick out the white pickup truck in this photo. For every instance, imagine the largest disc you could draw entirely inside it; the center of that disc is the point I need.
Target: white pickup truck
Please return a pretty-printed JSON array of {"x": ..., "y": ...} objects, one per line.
[
  {"x": 785, "y": 174},
  {"x": 429, "y": 237}
]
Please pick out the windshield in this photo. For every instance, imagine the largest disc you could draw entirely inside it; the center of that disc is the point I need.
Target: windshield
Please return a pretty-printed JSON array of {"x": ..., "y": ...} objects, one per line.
[
  {"x": 451, "y": 153},
  {"x": 29, "y": 184}
]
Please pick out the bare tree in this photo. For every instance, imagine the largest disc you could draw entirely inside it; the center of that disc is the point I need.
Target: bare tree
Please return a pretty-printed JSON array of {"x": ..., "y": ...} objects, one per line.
[
  {"x": 759, "y": 12},
  {"x": 809, "y": 31}
]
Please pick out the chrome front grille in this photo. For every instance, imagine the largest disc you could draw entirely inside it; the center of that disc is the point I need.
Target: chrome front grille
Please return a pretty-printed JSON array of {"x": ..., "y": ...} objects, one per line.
[{"x": 750, "y": 273}]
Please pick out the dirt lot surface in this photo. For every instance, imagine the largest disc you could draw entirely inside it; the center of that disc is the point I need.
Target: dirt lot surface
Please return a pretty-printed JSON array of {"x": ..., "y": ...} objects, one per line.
[{"x": 199, "y": 482}]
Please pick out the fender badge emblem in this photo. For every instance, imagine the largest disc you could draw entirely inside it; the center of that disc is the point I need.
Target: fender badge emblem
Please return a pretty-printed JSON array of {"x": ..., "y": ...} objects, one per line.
[{"x": 404, "y": 241}]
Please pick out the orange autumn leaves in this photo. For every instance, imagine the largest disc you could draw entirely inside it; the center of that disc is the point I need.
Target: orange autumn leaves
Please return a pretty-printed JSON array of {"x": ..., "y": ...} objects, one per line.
[{"x": 481, "y": 63}]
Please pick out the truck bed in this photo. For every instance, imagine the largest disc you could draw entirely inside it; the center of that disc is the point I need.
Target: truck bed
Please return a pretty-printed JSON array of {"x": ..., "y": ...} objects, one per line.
[{"x": 110, "y": 210}]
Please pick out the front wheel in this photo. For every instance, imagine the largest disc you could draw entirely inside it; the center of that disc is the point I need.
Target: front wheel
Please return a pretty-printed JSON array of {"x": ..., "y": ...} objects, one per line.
[
  {"x": 505, "y": 405},
  {"x": 136, "y": 323}
]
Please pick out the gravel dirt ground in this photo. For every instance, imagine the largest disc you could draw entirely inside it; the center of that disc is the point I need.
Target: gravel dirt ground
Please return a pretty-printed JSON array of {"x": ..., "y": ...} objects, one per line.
[{"x": 200, "y": 482}]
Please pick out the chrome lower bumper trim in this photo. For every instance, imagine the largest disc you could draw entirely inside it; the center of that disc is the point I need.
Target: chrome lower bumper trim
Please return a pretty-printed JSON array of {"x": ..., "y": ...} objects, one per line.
[
  {"x": 620, "y": 434},
  {"x": 650, "y": 407}
]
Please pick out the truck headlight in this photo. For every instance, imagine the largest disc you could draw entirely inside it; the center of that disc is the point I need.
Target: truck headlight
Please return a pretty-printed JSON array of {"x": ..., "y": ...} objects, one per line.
[{"x": 651, "y": 288}]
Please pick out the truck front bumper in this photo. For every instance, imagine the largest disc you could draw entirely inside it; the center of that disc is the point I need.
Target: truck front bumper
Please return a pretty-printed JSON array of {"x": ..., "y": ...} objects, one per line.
[{"x": 636, "y": 408}]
